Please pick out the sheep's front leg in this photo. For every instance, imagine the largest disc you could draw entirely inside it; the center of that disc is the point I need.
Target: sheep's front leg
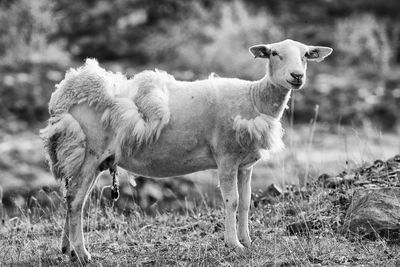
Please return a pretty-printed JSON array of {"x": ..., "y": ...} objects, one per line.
[
  {"x": 244, "y": 184},
  {"x": 227, "y": 174}
]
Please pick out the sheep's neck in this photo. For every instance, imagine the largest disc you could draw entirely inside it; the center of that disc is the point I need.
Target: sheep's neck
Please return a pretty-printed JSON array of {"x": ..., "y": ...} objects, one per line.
[{"x": 270, "y": 99}]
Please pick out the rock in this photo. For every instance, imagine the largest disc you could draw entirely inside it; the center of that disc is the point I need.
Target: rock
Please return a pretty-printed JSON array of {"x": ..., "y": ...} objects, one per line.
[
  {"x": 274, "y": 190},
  {"x": 333, "y": 182},
  {"x": 374, "y": 212},
  {"x": 267, "y": 196}
]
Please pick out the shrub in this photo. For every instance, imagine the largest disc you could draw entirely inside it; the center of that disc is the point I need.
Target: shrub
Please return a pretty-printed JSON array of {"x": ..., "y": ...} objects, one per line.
[
  {"x": 363, "y": 39},
  {"x": 26, "y": 27},
  {"x": 237, "y": 30},
  {"x": 30, "y": 64},
  {"x": 215, "y": 41}
]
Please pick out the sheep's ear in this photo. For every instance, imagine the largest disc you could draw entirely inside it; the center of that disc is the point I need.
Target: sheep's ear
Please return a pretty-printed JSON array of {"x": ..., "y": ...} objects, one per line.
[
  {"x": 263, "y": 51},
  {"x": 318, "y": 53}
]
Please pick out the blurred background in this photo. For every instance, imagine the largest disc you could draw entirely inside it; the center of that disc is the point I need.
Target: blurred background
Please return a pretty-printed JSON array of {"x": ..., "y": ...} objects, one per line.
[{"x": 348, "y": 113}]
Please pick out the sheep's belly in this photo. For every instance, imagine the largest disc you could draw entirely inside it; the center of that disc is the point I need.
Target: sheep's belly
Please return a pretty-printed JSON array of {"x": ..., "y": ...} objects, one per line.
[{"x": 159, "y": 166}]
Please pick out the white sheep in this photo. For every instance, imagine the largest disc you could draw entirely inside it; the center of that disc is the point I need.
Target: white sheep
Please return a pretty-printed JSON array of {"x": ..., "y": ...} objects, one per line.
[{"x": 155, "y": 126}]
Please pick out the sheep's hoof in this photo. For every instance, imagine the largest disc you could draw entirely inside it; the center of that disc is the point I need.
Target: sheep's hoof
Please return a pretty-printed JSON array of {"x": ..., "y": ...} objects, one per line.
[
  {"x": 82, "y": 256},
  {"x": 65, "y": 250},
  {"x": 65, "y": 245},
  {"x": 246, "y": 242},
  {"x": 236, "y": 245},
  {"x": 244, "y": 238},
  {"x": 240, "y": 248}
]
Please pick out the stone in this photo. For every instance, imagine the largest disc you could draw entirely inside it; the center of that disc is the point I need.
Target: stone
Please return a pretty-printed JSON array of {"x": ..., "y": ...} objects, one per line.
[
  {"x": 333, "y": 182},
  {"x": 274, "y": 190},
  {"x": 268, "y": 196},
  {"x": 373, "y": 213}
]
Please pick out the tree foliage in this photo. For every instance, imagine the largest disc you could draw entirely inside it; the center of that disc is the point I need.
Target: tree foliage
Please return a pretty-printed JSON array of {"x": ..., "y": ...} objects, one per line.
[{"x": 192, "y": 38}]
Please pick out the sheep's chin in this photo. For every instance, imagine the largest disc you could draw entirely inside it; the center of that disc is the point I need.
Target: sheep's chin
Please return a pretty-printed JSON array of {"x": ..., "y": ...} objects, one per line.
[{"x": 294, "y": 86}]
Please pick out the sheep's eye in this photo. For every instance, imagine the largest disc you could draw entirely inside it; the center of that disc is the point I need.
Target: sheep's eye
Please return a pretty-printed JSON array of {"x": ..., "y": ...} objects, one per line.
[
  {"x": 274, "y": 53},
  {"x": 307, "y": 55}
]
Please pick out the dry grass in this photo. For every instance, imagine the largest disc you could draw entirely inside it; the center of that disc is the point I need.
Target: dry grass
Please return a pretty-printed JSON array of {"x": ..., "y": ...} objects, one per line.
[{"x": 194, "y": 237}]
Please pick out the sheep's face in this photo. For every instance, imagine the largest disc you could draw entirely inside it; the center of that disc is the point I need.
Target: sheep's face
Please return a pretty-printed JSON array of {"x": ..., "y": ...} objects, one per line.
[{"x": 288, "y": 61}]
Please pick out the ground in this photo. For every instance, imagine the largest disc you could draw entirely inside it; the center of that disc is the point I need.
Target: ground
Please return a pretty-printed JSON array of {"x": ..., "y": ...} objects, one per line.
[{"x": 194, "y": 237}]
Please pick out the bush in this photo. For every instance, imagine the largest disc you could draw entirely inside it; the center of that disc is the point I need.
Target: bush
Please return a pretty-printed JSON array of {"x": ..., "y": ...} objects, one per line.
[
  {"x": 363, "y": 40},
  {"x": 215, "y": 41},
  {"x": 25, "y": 92},
  {"x": 350, "y": 97},
  {"x": 30, "y": 64},
  {"x": 237, "y": 30},
  {"x": 26, "y": 27}
]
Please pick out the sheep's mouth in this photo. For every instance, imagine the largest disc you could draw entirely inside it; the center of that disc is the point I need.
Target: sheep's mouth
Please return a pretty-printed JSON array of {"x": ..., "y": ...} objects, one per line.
[{"x": 296, "y": 84}]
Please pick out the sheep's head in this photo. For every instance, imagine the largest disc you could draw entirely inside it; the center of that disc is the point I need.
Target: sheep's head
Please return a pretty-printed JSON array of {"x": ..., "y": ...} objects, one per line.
[{"x": 288, "y": 61}]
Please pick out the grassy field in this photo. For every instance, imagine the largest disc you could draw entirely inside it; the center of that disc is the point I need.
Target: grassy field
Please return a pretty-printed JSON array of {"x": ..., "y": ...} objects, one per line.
[
  {"x": 193, "y": 238},
  {"x": 194, "y": 235}
]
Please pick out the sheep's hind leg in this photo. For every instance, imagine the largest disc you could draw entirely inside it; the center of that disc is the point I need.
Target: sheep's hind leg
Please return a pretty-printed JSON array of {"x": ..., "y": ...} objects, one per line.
[
  {"x": 227, "y": 174},
  {"x": 77, "y": 193},
  {"x": 65, "y": 242},
  {"x": 244, "y": 184},
  {"x": 65, "y": 248}
]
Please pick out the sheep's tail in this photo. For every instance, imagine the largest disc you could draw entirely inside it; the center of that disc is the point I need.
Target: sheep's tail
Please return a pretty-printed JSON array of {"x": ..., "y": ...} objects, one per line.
[{"x": 65, "y": 144}]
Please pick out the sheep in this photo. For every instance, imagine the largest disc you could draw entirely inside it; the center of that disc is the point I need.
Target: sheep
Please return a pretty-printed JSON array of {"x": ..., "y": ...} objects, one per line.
[{"x": 155, "y": 126}]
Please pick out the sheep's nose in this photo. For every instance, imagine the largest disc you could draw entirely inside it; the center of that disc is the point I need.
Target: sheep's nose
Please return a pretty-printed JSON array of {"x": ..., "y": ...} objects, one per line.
[{"x": 297, "y": 76}]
